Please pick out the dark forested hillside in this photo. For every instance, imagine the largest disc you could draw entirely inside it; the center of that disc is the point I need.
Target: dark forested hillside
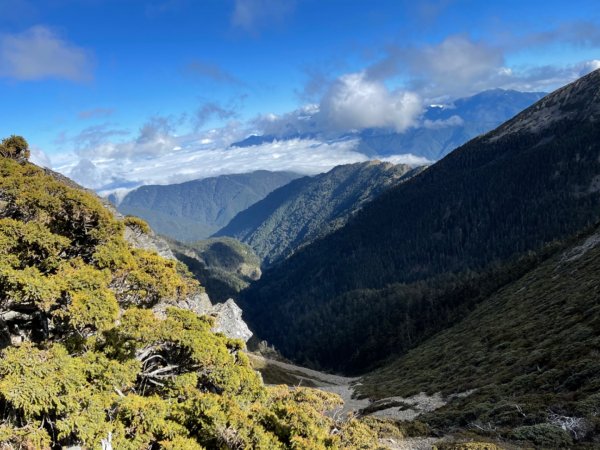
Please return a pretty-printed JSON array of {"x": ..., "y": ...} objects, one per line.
[
  {"x": 311, "y": 207},
  {"x": 527, "y": 355},
  {"x": 223, "y": 265},
  {"x": 531, "y": 181},
  {"x": 194, "y": 210}
]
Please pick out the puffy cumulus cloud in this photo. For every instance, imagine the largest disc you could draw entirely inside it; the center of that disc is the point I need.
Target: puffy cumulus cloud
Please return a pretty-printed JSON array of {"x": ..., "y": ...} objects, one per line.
[
  {"x": 457, "y": 62},
  {"x": 90, "y": 139},
  {"x": 300, "y": 122},
  {"x": 355, "y": 101},
  {"x": 39, "y": 157},
  {"x": 87, "y": 174},
  {"x": 107, "y": 142},
  {"x": 251, "y": 15},
  {"x": 459, "y": 65},
  {"x": 456, "y": 66},
  {"x": 40, "y": 53}
]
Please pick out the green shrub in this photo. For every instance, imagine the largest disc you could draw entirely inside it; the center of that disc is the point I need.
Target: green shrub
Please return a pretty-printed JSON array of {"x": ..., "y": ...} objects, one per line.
[
  {"x": 137, "y": 224},
  {"x": 466, "y": 446},
  {"x": 543, "y": 434},
  {"x": 15, "y": 147},
  {"x": 96, "y": 360}
]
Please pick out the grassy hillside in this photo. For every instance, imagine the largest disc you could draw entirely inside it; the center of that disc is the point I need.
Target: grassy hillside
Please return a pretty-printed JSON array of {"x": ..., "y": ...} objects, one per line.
[
  {"x": 311, "y": 207},
  {"x": 530, "y": 352},
  {"x": 84, "y": 359},
  {"x": 194, "y": 210},
  {"x": 512, "y": 191}
]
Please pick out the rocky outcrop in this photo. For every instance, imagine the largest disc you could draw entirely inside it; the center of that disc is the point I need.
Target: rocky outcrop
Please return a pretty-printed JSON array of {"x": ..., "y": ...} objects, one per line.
[
  {"x": 229, "y": 321},
  {"x": 228, "y": 315},
  {"x": 148, "y": 241}
]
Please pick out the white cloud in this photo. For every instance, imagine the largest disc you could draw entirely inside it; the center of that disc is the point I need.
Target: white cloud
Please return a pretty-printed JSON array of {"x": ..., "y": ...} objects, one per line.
[
  {"x": 408, "y": 158},
  {"x": 40, "y": 53},
  {"x": 544, "y": 78},
  {"x": 194, "y": 161},
  {"x": 86, "y": 173},
  {"x": 39, "y": 157},
  {"x": 355, "y": 102},
  {"x": 250, "y": 15},
  {"x": 301, "y": 121},
  {"x": 590, "y": 66},
  {"x": 459, "y": 66},
  {"x": 210, "y": 110},
  {"x": 455, "y": 63}
]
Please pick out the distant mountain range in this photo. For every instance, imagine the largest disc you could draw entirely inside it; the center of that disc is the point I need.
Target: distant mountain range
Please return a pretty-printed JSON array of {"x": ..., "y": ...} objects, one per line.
[
  {"x": 441, "y": 130},
  {"x": 311, "y": 207},
  {"x": 424, "y": 252},
  {"x": 196, "y": 209}
]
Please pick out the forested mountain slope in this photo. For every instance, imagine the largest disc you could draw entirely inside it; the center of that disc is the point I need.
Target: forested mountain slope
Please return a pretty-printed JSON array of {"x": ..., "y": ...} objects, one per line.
[
  {"x": 87, "y": 358},
  {"x": 311, "y": 207},
  {"x": 529, "y": 182},
  {"x": 529, "y": 351},
  {"x": 223, "y": 265},
  {"x": 194, "y": 210}
]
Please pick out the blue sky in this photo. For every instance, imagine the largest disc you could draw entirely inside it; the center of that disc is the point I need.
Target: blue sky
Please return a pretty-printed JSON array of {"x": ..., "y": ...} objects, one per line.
[{"x": 116, "y": 82}]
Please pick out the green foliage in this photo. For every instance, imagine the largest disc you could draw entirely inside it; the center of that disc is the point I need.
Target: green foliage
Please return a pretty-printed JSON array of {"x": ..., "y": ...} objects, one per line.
[
  {"x": 466, "y": 446},
  {"x": 543, "y": 435},
  {"x": 15, "y": 147},
  {"x": 91, "y": 305},
  {"x": 153, "y": 278},
  {"x": 223, "y": 265},
  {"x": 137, "y": 224},
  {"x": 527, "y": 350},
  {"x": 195, "y": 209},
  {"x": 311, "y": 207},
  {"x": 84, "y": 358}
]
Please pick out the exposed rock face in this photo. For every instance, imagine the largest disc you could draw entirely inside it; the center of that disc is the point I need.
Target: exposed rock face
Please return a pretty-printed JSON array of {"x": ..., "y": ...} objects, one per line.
[
  {"x": 148, "y": 241},
  {"x": 198, "y": 303},
  {"x": 229, "y": 321},
  {"x": 228, "y": 315}
]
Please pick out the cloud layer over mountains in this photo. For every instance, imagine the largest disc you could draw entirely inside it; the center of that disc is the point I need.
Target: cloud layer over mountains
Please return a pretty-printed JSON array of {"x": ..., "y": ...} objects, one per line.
[{"x": 383, "y": 82}]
